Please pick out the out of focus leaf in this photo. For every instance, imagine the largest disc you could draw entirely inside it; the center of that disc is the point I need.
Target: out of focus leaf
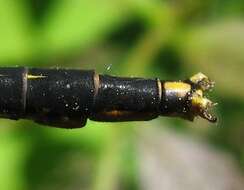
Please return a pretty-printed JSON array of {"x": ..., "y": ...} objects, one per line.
[
  {"x": 12, "y": 155},
  {"x": 217, "y": 50},
  {"x": 81, "y": 23},
  {"x": 14, "y": 32}
]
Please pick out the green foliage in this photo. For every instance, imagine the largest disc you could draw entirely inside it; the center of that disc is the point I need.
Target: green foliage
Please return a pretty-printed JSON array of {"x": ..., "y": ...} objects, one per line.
[{"x": 138, "y": 38}]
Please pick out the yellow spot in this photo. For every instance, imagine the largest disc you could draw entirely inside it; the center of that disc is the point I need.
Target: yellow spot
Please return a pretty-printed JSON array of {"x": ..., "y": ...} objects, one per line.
[
  {"x": 199, "y": 101},
  {"x": 180, "y": 88},
  {"x": 35, "y": 76},
  {"x": 115, "y": 113},
  {"x": 199, "y": 92},
  {"x": 198, "y": 77}
]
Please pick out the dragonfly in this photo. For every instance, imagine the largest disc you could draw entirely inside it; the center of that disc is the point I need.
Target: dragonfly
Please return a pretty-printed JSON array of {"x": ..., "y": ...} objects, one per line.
[{"x": 66, "y": 98}]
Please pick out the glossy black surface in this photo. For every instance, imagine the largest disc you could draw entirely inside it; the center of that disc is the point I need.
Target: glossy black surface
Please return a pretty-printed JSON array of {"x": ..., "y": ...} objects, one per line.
[
  {"x": 60, "y": 97},
  {"x": 135, "y": 95},
  {"x": 12, "y": 101},
  {"x": 66, "y": 98}
]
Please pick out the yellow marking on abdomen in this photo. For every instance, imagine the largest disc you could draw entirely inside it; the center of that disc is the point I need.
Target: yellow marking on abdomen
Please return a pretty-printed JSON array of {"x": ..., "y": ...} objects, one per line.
[
  {"x": 35, "y": 76},
  {"x": 180, "y": 88}
]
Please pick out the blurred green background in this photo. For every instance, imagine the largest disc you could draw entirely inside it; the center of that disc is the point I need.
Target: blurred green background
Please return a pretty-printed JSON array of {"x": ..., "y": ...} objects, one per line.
[{"x": 147, "y": 38}]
